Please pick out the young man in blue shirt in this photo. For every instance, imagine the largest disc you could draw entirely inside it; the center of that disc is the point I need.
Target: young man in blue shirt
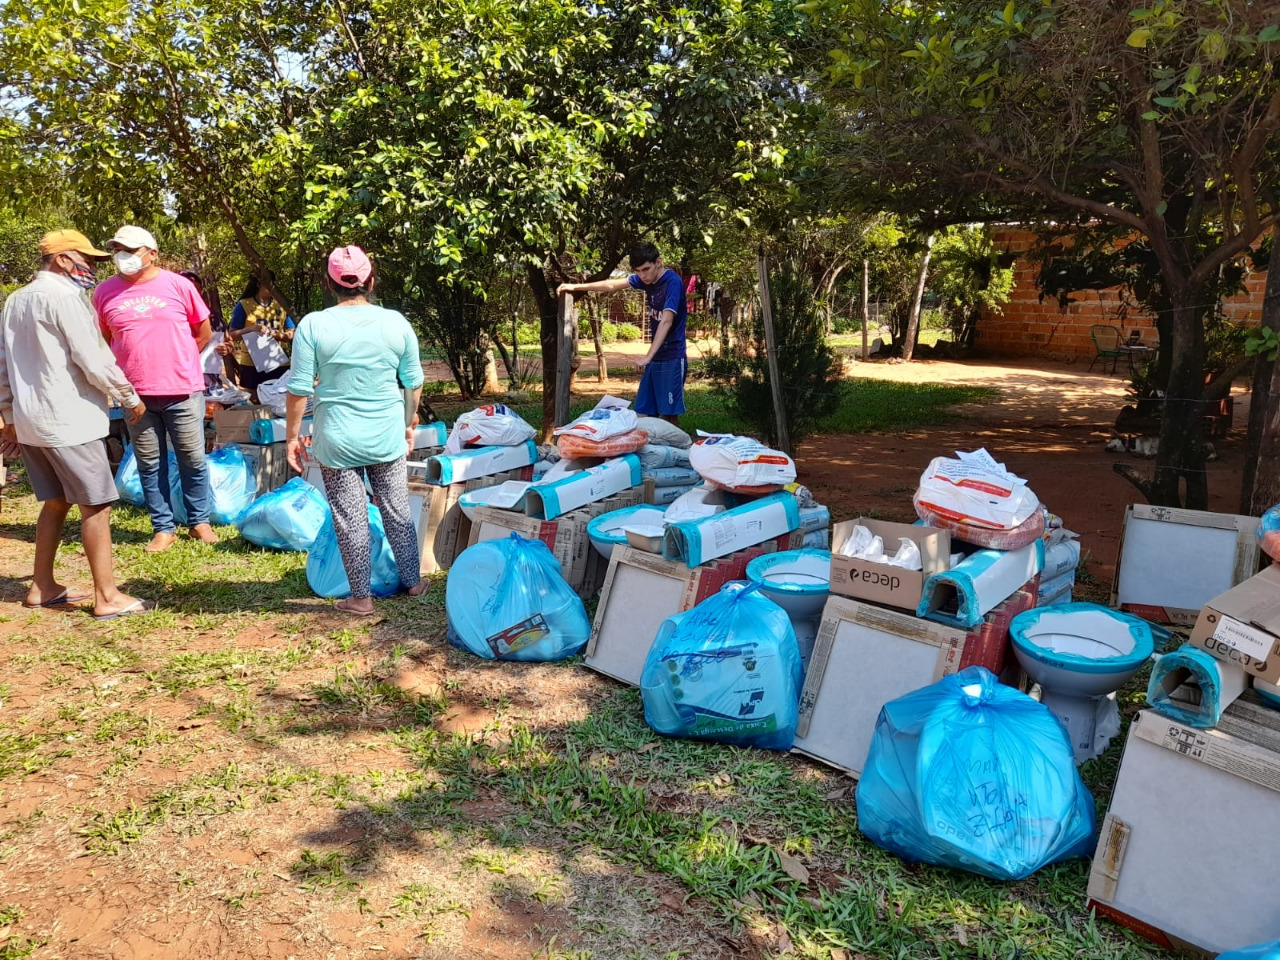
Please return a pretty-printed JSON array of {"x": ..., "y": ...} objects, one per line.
[{"x": 664, "y": 367}]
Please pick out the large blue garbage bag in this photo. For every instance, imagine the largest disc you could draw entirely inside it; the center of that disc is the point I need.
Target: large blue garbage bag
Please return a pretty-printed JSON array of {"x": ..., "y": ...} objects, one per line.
[
  {"x": 289, "y": 518},
  {"x": 232, "y": 486},
  {"x": 128, "y": 482},
  {"x": 1259, "y": 951},
  {"x": 728, "y": 670},
  {"x": 328, "y": 577},
  {"x": 971, "y": 774},
  {"x": 506, "y": 600}
]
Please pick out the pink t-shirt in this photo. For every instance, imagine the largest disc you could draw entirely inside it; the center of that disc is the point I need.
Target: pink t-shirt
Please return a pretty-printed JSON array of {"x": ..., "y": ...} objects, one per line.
[{"x": 151, "y": 325}]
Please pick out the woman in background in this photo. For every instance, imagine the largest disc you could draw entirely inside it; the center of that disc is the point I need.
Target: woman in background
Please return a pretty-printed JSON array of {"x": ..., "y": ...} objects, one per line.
[
  {"x": 258, "y": 315},
  {"x": 356, "y": 359}
]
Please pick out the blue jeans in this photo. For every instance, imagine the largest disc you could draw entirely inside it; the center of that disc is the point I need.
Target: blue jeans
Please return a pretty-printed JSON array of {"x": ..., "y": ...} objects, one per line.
[{"x": 179, "y": 420}]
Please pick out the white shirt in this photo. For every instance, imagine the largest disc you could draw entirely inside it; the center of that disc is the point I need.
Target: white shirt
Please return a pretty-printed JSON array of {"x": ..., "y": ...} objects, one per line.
[{"x": 56, "y": 372}]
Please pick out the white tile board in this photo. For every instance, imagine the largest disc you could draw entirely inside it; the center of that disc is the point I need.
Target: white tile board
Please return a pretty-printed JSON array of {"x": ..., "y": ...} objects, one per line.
[
  {"x": 1179, "y": 560},
  {"x": 1188, "y": 845},
  {"x": 859, "y": 664},
  {"x": 634, "y": 601}
]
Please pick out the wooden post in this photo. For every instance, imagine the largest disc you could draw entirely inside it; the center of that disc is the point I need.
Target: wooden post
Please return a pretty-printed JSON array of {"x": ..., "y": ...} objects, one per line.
[
  {"x": 766, "y": 316},
  {"x": 564, "y": 359},
  {"x": 866, "y": 304}
]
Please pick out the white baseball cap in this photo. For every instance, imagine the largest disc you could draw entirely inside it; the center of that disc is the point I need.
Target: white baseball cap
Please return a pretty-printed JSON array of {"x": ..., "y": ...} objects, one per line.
[{"x": 131, "y": 238}]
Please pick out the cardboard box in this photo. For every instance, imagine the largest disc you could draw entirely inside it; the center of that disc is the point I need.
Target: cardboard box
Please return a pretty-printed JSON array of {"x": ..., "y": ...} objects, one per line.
[
  {"x": 269, "y": 464},
  {"x": 695, "y": 542},
  {"x": 962, "y": 596},
  {"x": 436, "y": 518},
  {"x": 879, "y": 582},
  {"x": 232, "y": 425},
  {"x": 1242, "y": 626},
  {"x": 1186, "y": 855},
  {"x": 1172, "y": 562},
  {"x": 547, "y": 501},
  {"x": 641, "y": 590},
  {"x": 447, "y": 468}
]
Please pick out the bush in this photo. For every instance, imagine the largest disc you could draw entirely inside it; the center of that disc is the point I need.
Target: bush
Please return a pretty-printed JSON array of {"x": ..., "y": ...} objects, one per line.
[
  {"x": 528, "y": 335},
  {"x": 629, "y": 332},
  {"x": 809, "y": 369}
]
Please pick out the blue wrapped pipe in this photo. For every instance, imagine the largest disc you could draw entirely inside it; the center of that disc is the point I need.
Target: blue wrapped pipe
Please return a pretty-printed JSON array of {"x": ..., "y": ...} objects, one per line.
[{"x": 1193, "y": 687}]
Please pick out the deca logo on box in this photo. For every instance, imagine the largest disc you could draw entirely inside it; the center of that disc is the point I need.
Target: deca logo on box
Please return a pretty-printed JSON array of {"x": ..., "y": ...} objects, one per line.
[{"x": 878, "y": 578}]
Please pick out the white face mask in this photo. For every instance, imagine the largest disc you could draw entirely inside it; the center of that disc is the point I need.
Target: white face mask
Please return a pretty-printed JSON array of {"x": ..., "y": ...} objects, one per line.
[{"x": 128, "y": 263}]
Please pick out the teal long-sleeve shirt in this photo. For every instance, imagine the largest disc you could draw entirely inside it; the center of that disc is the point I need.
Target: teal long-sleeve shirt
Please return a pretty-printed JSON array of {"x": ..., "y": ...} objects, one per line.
[{"x": 355, "y": 360}]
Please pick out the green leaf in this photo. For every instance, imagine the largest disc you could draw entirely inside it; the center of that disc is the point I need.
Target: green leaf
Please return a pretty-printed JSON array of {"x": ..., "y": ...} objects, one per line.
[
  {"x": 1168, "y": 102},
  {"x": 1139, "y": 37},
  {"x": 1270, "y": 34},
  {"x": 1214, "y": 46},
  {"x": 1010, "y": 9},
  {"x": 1162, "y": 208}
]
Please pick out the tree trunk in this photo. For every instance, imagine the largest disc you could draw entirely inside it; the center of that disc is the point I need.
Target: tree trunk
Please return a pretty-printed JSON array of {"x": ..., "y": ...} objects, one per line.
[
  {"x": 917, "y": 298},
  {"x": 1260, "y": 488},
  {"x": 597, "y": 334},
  {"x": 1181, "y": 456},
  {"x": 549, "y": 334}
]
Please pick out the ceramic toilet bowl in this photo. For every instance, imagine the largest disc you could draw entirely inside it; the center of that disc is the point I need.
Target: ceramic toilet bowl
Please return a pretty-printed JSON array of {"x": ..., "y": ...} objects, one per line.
[
  {"x": 606, "y": 531},
  {"x": 799, "y": 581},
  {"x": 1080, "y": 649}
]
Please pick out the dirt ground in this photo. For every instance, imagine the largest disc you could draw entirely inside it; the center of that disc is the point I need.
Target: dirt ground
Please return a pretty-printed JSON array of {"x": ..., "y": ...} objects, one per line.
[
  {"x": 1050, "y": 426},
  {"x": 248, "y": 775}
]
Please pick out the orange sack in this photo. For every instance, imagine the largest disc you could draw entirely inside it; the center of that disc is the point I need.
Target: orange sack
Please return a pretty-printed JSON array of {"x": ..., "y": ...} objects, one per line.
[{"x": 572, "y": 447}]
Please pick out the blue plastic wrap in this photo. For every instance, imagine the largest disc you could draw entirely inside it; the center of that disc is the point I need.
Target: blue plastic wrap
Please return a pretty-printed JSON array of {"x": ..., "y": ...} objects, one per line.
[
  {"x": 971, "y": 774},
  {"x": 289, "y": 518},
  {"x": 506, "y": 600},
  {"x": 1269, "y": 533},
  {"x": 1202, "y": 670},
  {"x": 232, "y": 486},
  {"x": 1259, "y": 951},
  {"x": 327, "y": 576},
  {"x": 128, "y": 482},
  {"x": 728, "y": 670}
]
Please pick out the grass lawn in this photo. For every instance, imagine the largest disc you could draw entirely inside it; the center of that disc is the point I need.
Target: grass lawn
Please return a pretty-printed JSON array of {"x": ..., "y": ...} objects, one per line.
[{"x": 245, "y": 771}]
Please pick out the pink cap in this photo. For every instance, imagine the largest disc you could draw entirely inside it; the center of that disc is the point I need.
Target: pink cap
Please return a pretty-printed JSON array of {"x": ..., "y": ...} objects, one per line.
[{"x": 349, "y": 266}]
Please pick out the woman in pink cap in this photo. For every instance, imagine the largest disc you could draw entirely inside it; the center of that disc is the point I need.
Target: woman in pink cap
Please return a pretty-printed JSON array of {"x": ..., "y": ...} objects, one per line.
[{"x": 356, "y": 358}]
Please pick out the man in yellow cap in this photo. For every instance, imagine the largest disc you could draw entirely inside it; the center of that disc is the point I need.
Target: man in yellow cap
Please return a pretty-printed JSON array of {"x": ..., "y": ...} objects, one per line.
[{"x": 56, "y": 374}]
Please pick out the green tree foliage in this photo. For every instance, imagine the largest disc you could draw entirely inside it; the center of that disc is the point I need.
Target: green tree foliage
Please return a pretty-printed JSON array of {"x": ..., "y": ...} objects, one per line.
[
  {"x": 1160, "y": 119},
  {"x": 808, "y": 369},
  {"x": 553, "y": 132},
  {"x": 968, "y": 279}
]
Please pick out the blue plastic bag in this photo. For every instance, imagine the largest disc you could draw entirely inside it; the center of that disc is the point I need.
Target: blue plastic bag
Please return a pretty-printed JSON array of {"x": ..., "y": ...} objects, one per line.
[
  {"x": 128, "y": 481},
  {"x": 506, "y": 600},
  {"x": 1259, "y": 951},
  {"x": 289, "y": 518},
  {"x": 328, "y": 577},
  {"x": 232, "y": 486},
  {"x": 1269, "y": 533},
  {"x": 728, "y": 671},
  {"x": 971, "y": 774}
]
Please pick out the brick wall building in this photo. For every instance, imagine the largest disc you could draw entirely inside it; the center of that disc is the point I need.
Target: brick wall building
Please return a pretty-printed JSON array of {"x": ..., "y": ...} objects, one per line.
[{"x": 1029, "y": 328}]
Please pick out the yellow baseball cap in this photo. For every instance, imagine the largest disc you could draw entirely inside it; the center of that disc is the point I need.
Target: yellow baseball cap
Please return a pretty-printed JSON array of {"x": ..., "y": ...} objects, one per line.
[{"x": 65, "y": 241}]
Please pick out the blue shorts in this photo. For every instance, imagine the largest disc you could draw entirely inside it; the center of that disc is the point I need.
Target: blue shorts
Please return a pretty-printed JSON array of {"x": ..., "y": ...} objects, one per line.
[{"x": 661, "y": 390}]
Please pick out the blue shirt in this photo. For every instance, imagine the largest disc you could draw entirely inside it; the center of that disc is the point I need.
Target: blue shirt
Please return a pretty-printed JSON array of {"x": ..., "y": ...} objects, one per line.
[
  {"x": 355, "y": 360},
  {"x": 665, "y": 293}
]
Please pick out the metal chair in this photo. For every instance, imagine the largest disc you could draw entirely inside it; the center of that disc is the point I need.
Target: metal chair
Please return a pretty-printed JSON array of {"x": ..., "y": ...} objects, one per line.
[{"x": 1106, "y": 341}]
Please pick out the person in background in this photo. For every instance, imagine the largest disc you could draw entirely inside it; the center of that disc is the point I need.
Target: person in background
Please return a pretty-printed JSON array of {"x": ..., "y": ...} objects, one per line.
[
  {"x": 56, "y": 376},
  {"x": 356, "y": 359},
  {"x": 211, "y": 357},
  {"x": 661, "y": 391},
  {"x": 257, "y": 315},
  {"x": 157, "y": 324}
]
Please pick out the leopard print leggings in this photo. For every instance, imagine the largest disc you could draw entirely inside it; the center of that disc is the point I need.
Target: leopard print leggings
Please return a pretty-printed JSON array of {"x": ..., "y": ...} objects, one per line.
[{"x": 349, "y": 501}]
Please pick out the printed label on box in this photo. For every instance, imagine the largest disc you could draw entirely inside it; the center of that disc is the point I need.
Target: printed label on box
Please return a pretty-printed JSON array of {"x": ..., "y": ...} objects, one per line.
[
  {"x": 1256, "y": 643},
  {"x": 523, "y": 634}
]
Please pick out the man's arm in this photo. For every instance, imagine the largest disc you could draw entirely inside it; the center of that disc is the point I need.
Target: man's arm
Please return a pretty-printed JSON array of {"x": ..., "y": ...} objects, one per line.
[
  {"x": 665, "y": 322},
  {"x": 203, "y": 334},
  {"x": 599, "y": 286},
  {"x": 88, "y": 352}
]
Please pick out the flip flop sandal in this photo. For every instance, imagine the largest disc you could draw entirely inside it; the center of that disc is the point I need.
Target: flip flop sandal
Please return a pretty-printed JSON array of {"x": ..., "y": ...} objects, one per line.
[
  {"x": 349, "y": 612},
  {"x": 138, "y": 606},
  {"x": 60, "y": 600}
]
